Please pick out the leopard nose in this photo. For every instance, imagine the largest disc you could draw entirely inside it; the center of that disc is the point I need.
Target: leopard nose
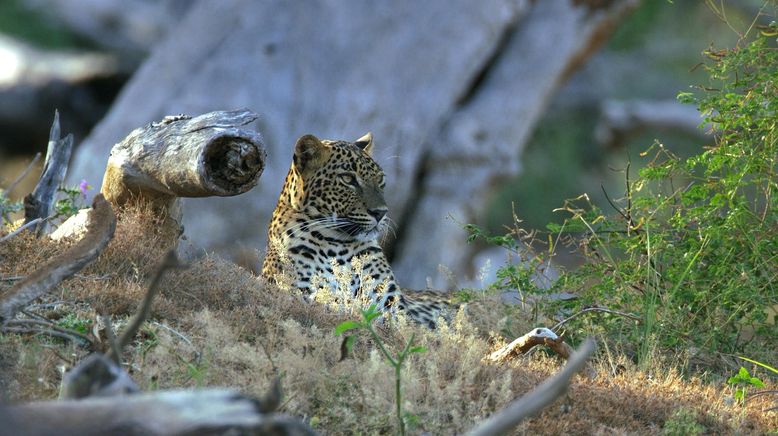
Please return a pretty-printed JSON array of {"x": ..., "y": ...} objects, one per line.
[{"x": 378, "y": 214}]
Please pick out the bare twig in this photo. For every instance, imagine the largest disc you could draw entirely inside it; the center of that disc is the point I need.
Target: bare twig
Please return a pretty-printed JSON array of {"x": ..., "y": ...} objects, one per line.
[
  {"x": 22, "y": 228},
  {"x": 532, "y": 403},
  {"x": 99, "y": 232},
  {"x": 767, "y": 392},
  {"x": 44, "y": 325},
  {"x": 24, "y": 173},
  {"x": 110, "y": 337},
  {"x": 596, "y": 309},
  {"x": 41, "y": 331},
  {"x": 616, "y": 208},
  {"x": 170, "y": 261}
]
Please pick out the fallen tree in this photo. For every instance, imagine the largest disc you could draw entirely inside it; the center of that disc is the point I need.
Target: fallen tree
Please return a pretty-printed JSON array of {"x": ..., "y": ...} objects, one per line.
[{"x": 181, "y": 156}]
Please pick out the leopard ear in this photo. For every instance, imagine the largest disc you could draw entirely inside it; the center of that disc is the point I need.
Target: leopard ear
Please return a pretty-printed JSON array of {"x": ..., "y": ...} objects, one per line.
[
  {"x": 365, "y": 143},
  {"x": 309, "y": 153}
]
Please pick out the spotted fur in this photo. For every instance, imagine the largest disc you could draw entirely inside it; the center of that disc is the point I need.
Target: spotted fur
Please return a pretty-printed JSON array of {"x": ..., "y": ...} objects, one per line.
[{"x": 332, "y": 209}]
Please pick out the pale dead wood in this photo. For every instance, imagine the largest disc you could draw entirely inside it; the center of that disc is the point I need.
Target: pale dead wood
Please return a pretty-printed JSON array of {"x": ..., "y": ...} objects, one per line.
[
  {"x": 22, "y": 228},
  {"x": 176, "y": 412},
  {"x": 96, "y": 376},
  {"x": 532, "y": 403},
  {"x": 181, "y": 156},
  {"x": 100, "y": 230},
  {"x": 39, "y": 203},
  {"x": 538, "y": 336}
]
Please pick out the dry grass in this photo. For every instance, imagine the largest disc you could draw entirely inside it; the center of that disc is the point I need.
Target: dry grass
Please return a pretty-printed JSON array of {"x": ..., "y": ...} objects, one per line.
[{"x": 217, "y": 324}]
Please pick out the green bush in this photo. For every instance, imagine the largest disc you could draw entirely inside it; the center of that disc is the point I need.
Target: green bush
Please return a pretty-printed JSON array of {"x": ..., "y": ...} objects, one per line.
[{"x": 691, "y": 247}]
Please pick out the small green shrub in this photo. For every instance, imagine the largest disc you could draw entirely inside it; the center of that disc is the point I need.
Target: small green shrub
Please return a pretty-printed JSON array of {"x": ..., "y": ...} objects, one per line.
[
  {"x": 683, "y": 423},
  {"x": 742, "y": 381},
  {"x": 691, "y": 245},
  {"x": 396, "y": 361}
]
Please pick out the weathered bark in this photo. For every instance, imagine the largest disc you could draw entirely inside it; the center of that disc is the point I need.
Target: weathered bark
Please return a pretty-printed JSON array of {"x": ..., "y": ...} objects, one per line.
[
  {"x": 532, "y": 403},
  {"x": 539, "y": 336},
  {"x": 178, "y": 412},
  {"x": 40, "y": 202},
  {"x": 309, "y": 67},
  {"x": 314, "y": 67},
  {"x": 96, "y": 376},
  {"x": 102, "y": 223},
  {"x": 182, "y": 156},
  {"x": 477, "y": 149}
]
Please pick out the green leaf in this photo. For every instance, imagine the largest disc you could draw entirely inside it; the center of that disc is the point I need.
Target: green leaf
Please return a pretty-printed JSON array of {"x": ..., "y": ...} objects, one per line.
[
  {"x": 418, "y": 350},
  {"x": 346, "y": 326},
  {"x": 755, "y": 381},
  {"x": 371, "y": 316}
]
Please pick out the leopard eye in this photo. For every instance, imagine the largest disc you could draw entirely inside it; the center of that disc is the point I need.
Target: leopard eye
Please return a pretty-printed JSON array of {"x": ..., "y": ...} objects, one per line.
[{"x": 349, "y": 179}]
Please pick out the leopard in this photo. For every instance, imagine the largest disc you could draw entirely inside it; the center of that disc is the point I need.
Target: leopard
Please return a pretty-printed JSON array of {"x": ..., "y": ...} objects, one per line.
[{"x": 331, "y": 211}]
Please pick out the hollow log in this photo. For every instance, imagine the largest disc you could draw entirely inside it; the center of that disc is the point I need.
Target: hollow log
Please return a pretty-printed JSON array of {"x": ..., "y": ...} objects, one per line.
[
  {"x": 175, "y": 412},
  {"x": 181, "y": 156}
]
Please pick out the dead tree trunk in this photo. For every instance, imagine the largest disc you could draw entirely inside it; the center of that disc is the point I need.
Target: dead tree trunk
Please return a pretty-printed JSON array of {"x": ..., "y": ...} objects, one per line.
[
  {"x": 39, "y": 204},
  {"x": 542, "y": 396},
  {"x": 477, "y": 149},
  {"x": 182, "y": 156},
  {"x": 450, "y": 89}
]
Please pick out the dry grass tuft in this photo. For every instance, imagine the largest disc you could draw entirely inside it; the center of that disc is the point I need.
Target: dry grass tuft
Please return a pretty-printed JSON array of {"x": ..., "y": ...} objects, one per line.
[{"x": 218, "y": 324}]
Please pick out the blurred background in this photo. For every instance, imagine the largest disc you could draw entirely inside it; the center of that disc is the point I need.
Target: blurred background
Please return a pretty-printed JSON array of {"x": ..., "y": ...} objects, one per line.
[{"x": 478, "y": 109}]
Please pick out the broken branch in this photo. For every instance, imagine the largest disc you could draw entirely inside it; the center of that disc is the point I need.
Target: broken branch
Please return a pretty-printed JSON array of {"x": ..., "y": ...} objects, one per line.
[
  {"x": 102, "y": 224},
  {"x": 170, "y": 261},
  {"x": 39, "y": 203},
  {"x": 532, "y": 403}
]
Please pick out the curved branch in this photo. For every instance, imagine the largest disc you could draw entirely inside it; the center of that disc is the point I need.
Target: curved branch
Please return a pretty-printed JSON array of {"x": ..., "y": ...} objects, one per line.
[
  {"x": 532, "y": 403},
  {"x": 102, "y": 224}
]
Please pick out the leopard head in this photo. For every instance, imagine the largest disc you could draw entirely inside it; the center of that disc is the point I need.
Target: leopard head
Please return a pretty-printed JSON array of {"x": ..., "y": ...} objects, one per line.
[{"x": 339, "y": 187}]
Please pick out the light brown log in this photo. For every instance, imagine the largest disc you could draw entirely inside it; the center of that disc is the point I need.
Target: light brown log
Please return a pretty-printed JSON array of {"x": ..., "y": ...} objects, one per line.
[
  {"x": 176, "y": 412},
  {"x": 181, "y": 156},
  {"x": 100, "y": 229}
]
